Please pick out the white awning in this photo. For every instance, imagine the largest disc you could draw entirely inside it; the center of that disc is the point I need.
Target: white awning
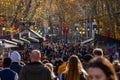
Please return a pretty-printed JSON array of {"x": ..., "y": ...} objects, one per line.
[
  {"x": 7, "y": 44},
  {"x": 23, "y": 39},
  {"x": 87, "y": 41},
  {"x": 16, "y": 40},
  {"x": 36, "y": 35}
]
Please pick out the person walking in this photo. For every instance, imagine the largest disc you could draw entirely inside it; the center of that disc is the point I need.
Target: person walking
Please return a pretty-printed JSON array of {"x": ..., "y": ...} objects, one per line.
[
  {"x": 16, "y": 58},
  {"x": 62, "y": 67},
  {"x": 116, "y": 65},
  {"x": 50, "y": 66},
  {"x": 74, "y": 70},
  {"x": 100, "y": 68},
  {"x": 35, "y": 70},
  {"x": 98, "y": 52},
  {"x": 7, "y": 73}
]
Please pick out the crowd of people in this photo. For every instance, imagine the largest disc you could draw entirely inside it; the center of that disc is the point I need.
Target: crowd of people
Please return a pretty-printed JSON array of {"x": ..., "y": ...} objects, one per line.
[{"x": 59, "y": 61}]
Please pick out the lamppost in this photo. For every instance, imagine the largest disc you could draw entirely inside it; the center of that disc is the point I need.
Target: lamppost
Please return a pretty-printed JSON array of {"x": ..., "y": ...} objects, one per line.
[
  {"x": 3, "y": 31},
  {"x": 82, "y": 33},
  {"x": 88, "y": 29},
  {"x": 77, "y": 34},
  {"x": 94, "y": 28},
  {"x": 50, "y": 33},
  {"x": 88, "y": 32},
  {"x": 48, "y": 30}
]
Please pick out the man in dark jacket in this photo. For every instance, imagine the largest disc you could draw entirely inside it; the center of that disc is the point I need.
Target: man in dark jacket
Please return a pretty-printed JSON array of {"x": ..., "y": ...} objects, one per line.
[{"x": 35, "y": 70}]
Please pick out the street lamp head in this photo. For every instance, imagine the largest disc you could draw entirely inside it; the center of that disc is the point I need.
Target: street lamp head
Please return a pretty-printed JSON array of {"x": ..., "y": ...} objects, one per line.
[
  {"x": 95, "y": 29},
  {"x": 88, "y": 29},
  {"x": 83, "y": 29},
  {"x": 80, "y": 32},
  {"x": 77, "y": 29},
  {"x": 100, "y": 29},
  {"x": 39, "y": 31},
  {"x": 94, "y": 20},
  {"x": 48, "y": 28},
  {"x": 3, "y": 28},
  {"x": 83, "y": 32}
]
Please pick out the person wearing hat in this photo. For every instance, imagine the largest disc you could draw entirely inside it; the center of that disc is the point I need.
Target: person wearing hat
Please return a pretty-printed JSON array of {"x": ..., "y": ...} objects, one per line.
[{"x": 16, "y": 58}]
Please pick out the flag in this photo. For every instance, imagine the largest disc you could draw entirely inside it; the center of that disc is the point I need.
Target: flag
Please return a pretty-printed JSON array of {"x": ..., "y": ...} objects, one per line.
[
  {"x": 19, "y": 28},
  {"x": 64, "y": 25},
  {"x": 2, "y": 21}
]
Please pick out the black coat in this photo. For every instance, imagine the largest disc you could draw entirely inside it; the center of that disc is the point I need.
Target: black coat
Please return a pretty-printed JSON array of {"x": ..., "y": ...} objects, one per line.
[
  {"x": 16, "y": 67},
  {"x": 35, "y": 71}
]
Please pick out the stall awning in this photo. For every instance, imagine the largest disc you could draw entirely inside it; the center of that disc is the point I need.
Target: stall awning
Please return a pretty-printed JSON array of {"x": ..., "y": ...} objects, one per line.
[
  {"x": 23, "y": 38},
  {"x": 33, "y": 34},
  {"x": 7, "y": 44},
  {"x": 87, "y": 41},
  {"x": 16, "y": 39}
]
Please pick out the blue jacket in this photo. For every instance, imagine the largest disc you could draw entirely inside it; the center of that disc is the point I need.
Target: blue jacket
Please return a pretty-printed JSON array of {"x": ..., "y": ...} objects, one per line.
[{"x": 8, "y": 74}]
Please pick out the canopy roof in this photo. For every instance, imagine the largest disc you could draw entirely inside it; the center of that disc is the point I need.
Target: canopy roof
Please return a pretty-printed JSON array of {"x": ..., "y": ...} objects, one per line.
[
  {"x": 7, "y": 44},
  {"x": 26, "y": 36}
]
